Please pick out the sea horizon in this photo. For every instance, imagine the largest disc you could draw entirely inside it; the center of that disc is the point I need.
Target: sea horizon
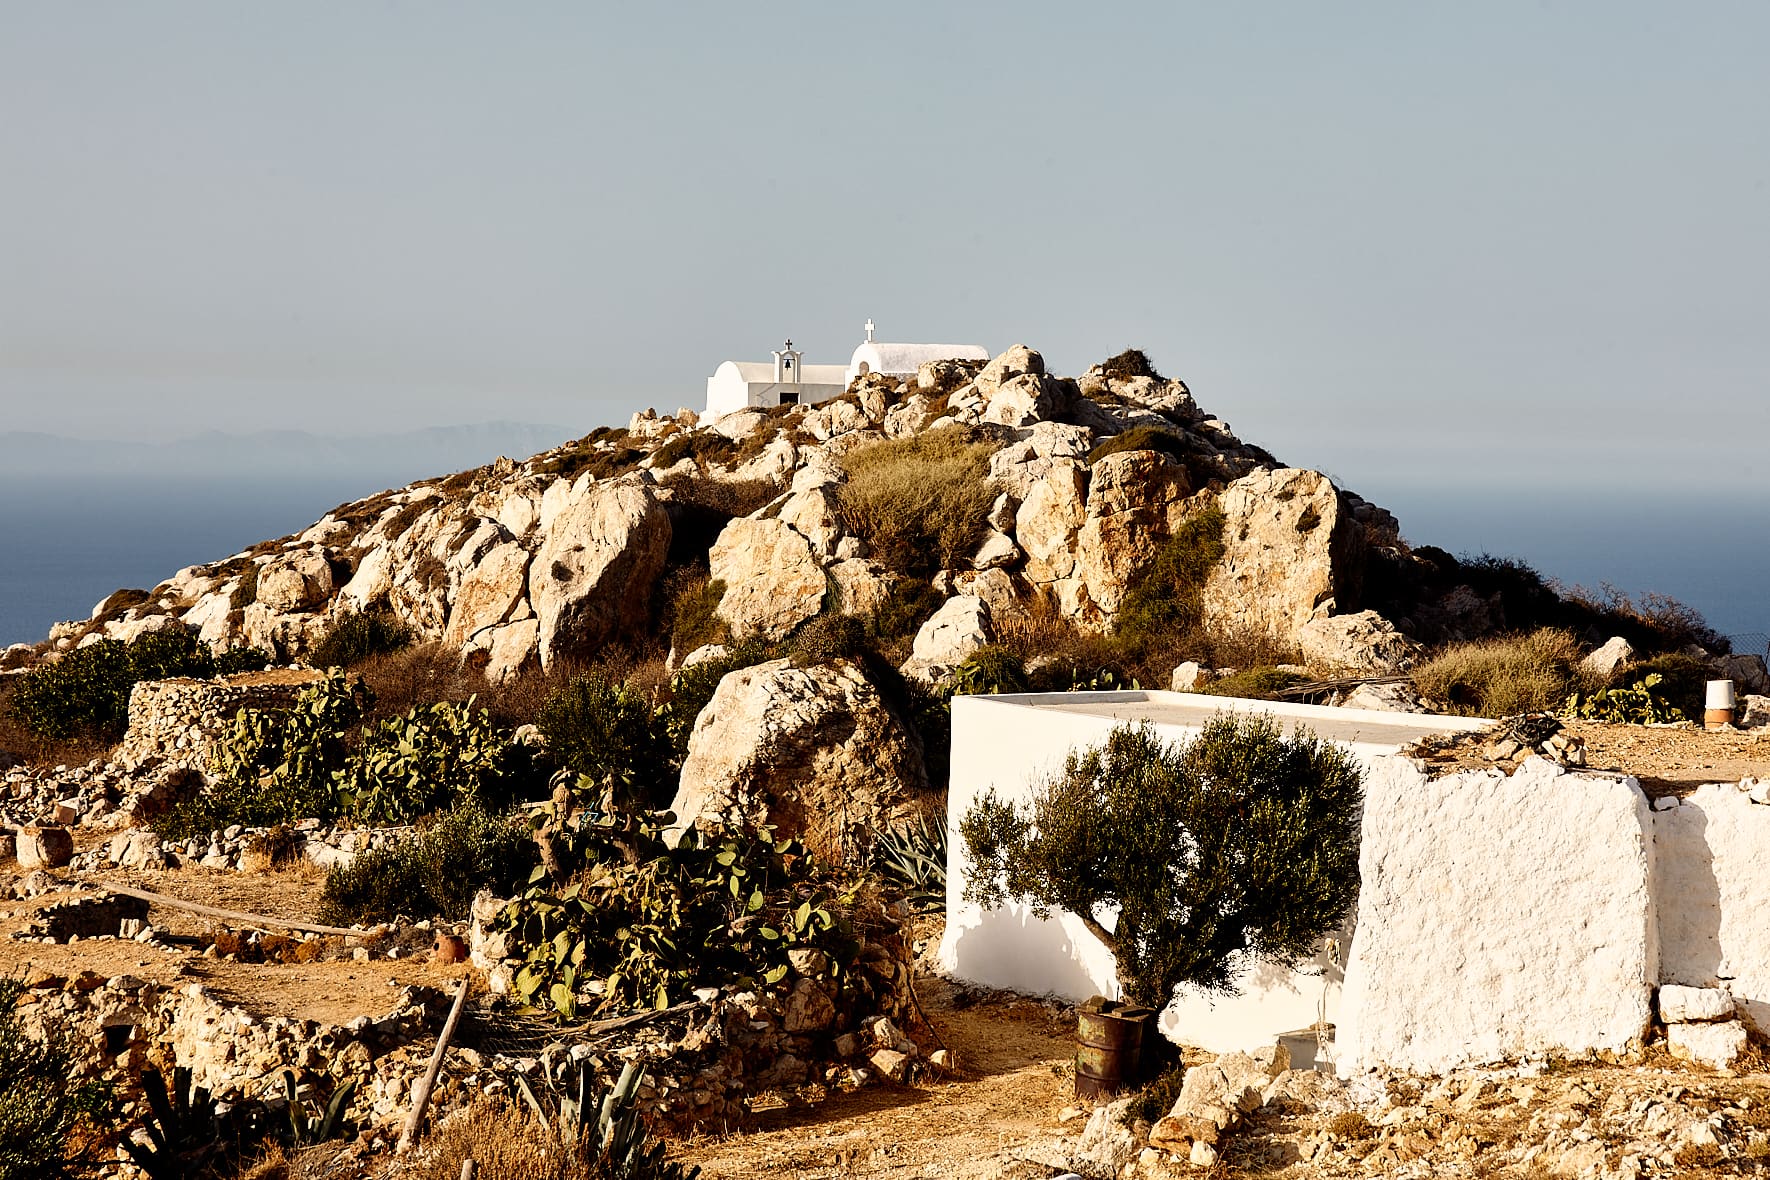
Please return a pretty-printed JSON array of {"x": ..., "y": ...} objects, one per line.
[{"x": 68, "y": 541}]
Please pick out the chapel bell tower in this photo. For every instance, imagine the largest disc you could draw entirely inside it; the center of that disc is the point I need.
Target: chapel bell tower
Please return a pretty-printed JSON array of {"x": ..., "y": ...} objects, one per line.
[{"x": 787, "y": 361}]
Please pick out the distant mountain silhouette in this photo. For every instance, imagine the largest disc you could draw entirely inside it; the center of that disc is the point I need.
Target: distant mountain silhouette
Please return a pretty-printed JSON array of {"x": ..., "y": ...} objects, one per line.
[{"x": 391, "y": 458}]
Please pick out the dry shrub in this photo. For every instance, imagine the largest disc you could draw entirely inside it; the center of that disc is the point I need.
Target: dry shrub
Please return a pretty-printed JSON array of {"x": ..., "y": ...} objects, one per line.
[
  {"x": 1652, "y": 621},
  {"x": 505, "y": 1143},
  {"x": 921, "y": 503},
  {"x": 1506, "y": 674},
  {"x": 1350, "y": 1124}
]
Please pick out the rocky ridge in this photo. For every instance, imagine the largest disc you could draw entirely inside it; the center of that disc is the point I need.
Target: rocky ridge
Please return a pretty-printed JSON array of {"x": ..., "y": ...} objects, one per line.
[{"x": 525, "y": 563}]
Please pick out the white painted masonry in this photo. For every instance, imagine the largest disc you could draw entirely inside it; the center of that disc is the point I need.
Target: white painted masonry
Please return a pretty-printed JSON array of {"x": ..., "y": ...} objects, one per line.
[
  {"x": 1712, "y": 896},
  {"x": 1012, "y": 743},
  {"x": 1499, "y": 917}
]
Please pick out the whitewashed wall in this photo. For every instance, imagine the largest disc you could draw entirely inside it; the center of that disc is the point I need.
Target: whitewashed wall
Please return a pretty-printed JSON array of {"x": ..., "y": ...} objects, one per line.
[
  {"x": 1499, "y": 917},
  {"x": 1004, "y": 743},
  {"x": 1711, "y": 889}
]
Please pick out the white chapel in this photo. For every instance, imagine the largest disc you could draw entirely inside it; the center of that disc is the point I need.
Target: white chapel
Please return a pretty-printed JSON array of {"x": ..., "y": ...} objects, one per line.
[{"x": 788, "y": 380}]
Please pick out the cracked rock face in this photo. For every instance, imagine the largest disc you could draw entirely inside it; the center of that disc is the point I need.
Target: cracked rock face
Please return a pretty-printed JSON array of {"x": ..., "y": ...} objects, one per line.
[{"x": 815, "y": 751}]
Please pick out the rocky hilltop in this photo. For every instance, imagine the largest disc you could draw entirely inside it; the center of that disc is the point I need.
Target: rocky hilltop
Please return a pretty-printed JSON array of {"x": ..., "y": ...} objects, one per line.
[{"x": 523, "y": 563}]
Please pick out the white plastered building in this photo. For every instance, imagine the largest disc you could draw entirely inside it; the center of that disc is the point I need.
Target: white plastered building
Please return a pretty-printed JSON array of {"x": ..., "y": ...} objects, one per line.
[{"x": 788, "y": 380}]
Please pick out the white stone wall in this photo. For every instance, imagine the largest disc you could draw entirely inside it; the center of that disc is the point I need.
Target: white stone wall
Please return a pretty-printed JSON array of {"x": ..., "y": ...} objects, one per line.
[
  {"x": 1005, "y": 743},
  {"x": 178, "y": 719},
  {"x": 1499, "y": 917},
  {"x": 1711, "y": 891}
]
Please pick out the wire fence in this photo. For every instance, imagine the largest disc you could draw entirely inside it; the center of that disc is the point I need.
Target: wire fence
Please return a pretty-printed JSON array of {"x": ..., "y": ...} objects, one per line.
[{"x": 1750, "y": 643}]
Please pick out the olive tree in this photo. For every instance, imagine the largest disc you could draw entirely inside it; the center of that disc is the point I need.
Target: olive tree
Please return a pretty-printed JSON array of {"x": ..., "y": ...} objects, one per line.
[{"x": 1241, "y": 843}]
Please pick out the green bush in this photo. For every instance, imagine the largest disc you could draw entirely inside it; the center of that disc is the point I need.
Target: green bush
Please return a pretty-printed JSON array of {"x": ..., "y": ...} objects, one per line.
[
  {"x": 704, "y": 446},
  {"x": 1505, "y": 675},
  {"x": 355, "y": 636},
  {"x": 48, "y": 1121},
  {"x": 990, "y": 670},
  {"x": 921, "y": 503},
  {"x": 432, "y": 873},
  {"x": 1239, "y": 845},
  {"x": 695, "y": 621},
  {"x": 241, "y": 659},
  {"x": 608, "y": 734},
  {"x": 86, "y": 692},
  {"x": 313, "y": 761},
  {"x": 1142, "y": 438},
  {"x": 653, "y": 922},
  {"x": 1165, "y": 601},
  {"x": 1261, "y": 684}
]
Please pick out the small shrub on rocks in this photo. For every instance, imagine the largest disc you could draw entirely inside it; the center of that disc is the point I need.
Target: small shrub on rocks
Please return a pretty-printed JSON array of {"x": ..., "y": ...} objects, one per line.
[
  {"x": 48, "y": 1121},
  {"x": 990, "y": 670},
  {"x": 433, "y": 872},
  {"x": 354, "y": 637},
  {"x": 607, "y": 734},
  {"x": 921, "y": 503},
  {"x": 1683, "y": 680},
  {"x": 1133, "y": 362},
  {"x": 695, "y": 621},
  {"x": 1241, "y": 843},
  {"x": 910, "y": 603}
]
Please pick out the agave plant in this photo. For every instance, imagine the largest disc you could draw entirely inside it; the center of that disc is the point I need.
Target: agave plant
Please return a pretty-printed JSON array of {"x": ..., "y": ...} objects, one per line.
[
  {"x": 604, "y": 1126},
  {"x": 183, "y": 1134},
  {"x": 304, "y": 1130},
  {"x": 914, "y": 860}
]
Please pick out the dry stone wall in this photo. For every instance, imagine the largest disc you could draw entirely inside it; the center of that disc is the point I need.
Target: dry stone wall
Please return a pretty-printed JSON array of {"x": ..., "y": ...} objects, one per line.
[{"x": 177, "y": 719}]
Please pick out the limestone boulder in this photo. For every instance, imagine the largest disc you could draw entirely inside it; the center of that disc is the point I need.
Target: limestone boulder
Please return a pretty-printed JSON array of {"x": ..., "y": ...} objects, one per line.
[
  {"x": 958, "y": 628},
  {"x": 862, "y": 586},
  {"x": 44, "y": 848},
  {"x": 1019, "y": 465},
  {"x": 814, "y": 751},
  {"x": 1681, "y": 1004},
  {"x": 773, "y": 580},
  {"x": 129, "y": 630},
  {"x": 1135, "y": 500},
  {"x": 490, "y": 593},
  {"x": 1718, "y": 1046},
  {"x": 1048, "y": 527},
  {"x": 1364, "y": 643},
  {"x": 1290, "y": 555},
  {"x": 1611, "y": 655},
  {"x": 602, "y": 550},
  {"x": 295, "y": 582},
  {"x": 1386, "y": 698}
]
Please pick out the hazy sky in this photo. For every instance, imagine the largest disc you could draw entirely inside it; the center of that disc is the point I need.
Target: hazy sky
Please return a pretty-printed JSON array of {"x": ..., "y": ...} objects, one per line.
[{"x": 1401, "y": 242}]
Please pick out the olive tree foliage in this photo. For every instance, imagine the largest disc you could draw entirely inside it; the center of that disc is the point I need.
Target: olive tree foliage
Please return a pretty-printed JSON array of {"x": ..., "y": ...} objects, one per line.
[{"x": 1242, "y": 843}]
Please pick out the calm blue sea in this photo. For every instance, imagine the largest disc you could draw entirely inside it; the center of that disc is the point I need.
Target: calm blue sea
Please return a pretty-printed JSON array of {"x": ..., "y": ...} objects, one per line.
[{"x": 65, "y": 544}]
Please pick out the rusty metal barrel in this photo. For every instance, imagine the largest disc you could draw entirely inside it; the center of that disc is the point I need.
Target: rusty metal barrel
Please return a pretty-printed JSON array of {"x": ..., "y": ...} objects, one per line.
[{"x": 1109, "y": 1050}]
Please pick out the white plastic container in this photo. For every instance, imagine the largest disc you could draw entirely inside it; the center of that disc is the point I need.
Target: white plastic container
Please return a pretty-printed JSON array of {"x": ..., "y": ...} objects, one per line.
[{"x": 1718, "y": 708}]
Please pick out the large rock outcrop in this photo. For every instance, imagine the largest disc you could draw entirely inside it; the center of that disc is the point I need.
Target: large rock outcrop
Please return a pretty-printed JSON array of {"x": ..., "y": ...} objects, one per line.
[
  {"x": 1289, "y": 555},
  {"x": 593, "y": 574},
  {"x": 815, "y": 751},
  {"x": 773, "y": 581}
]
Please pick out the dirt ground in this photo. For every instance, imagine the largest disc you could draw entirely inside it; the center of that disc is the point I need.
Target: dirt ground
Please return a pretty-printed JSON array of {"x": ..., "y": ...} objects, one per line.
[
  {"x": 1668, "y": 760},
  {"x": 333, "y": 988},
  {"x": 1015, "y": 1078}
]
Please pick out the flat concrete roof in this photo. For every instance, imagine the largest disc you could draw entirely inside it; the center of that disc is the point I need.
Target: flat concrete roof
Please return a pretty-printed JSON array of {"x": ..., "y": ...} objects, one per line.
[{"x": 1191, "y": 710}]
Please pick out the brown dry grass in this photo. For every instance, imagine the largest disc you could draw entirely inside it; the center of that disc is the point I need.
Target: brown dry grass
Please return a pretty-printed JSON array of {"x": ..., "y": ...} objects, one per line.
[
  {"x": 504, "y": 1142},
  {"x": 922, "y": 502},
  {"x": 1505, "y": 675}
]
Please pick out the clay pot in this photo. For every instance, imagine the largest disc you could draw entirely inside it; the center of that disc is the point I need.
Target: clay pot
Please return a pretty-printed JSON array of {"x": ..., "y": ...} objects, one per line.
[{"x": 450, "y": 948}]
